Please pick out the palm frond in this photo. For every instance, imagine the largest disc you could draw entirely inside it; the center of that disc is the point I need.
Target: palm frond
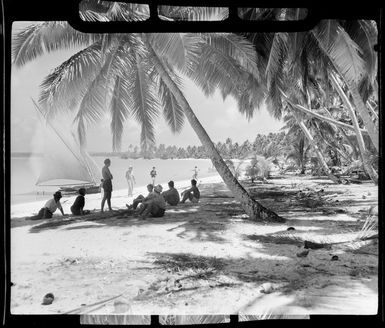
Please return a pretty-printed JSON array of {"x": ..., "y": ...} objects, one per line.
[
  {"x": 347, "y": 56},
  {"x": 236, "y": 47},
  {"x": 66, "y": 83},
  {"x": 104, "y": 11},
  {"x": 119, "y": 112},
  {"x": 93, "y": 16},
  {"x": 274, "y": 103},
  {"x": 364, "y": 34},
  {"x": 144, "y": 103},
  {"x": 215, "y": 68},
  {"x": 97, "y": 95},
  {"x": 37, "y": 39},
  {"x": 194, "y": 13},
  {"x": 171, "y": 46},
  {"x": 278, "y": 52},
  {"x": 172, "y": 111}
]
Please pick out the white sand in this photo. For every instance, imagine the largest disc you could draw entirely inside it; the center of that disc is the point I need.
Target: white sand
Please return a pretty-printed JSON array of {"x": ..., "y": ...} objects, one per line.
[{"x": 85, "y": 261}]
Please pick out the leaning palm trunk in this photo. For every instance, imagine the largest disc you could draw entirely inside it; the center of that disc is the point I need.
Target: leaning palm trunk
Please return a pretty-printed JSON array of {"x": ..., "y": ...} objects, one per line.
[
  {"x": 325, "y": 118},
  {"x": 351, "y": 144},
  {"x": 361, "y": 144},
  {"x": 375, "y": 116},
  {"x": 347, "y": 139},
  {"x": 316, "y": 149},
  {"x": 370, "y": 126},
  {"x": 253, "y": 209}
]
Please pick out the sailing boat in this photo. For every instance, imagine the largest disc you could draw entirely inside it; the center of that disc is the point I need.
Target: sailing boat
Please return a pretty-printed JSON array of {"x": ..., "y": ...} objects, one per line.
[{"x": 66, "y": 163}]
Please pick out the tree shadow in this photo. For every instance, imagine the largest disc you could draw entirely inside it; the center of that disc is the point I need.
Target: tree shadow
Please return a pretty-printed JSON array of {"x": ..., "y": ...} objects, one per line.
[
  {"x": 285, "y": 276},
  {"x": 204, "y": 221}
]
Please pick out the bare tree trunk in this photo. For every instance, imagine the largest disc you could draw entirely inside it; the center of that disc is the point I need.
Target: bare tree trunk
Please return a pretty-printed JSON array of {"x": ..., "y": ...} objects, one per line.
[
  {"x": 316, "y": 149},
  {"x": 253, "y": 209},
  {"x": 361, "y": 144}
]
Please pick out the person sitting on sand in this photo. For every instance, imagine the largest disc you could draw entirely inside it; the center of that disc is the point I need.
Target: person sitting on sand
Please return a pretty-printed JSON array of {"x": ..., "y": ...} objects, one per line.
[
  {"x": 171, "y": 196},
  {"x": 78, "y": 206},
  {"x": 141, "y": 198},
  {"x": 192, "y": 194},
  {"x": 50, "y": 207},
  {"x": 155, "y": 206}
]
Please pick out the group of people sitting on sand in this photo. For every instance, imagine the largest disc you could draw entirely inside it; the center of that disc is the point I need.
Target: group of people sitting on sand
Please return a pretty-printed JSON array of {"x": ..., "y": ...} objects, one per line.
[
  {"x": 53, "y": 204},
  {"x": 154, "y": 204}
]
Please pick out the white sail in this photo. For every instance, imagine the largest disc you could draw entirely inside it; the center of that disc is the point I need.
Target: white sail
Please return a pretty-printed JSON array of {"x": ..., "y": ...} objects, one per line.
[{"x": 64, "y": 161}]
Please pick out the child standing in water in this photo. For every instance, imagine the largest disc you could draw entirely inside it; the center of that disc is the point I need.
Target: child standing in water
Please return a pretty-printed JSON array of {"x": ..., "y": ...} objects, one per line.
[
  {"x": 195, "y": 175},
  {"x": 130, "y": 181}
]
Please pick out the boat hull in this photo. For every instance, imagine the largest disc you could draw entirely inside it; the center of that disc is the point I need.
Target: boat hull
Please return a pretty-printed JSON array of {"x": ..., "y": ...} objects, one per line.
[{"x": 74, "y": 189}]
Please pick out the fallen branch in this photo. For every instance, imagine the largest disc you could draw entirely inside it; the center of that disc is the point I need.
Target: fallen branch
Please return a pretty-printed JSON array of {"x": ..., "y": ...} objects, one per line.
[
  {"x": 311, "y": 245},
  {"x": 94, "y": 304}
]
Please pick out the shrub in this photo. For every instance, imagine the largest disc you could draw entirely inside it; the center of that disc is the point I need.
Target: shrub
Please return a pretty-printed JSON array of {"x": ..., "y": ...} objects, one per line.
[{"x": 258, "y": 168}]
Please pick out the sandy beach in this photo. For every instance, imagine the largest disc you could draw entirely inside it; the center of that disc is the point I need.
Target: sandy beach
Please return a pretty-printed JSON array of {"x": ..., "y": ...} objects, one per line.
[{"x": 204, "y": 258}]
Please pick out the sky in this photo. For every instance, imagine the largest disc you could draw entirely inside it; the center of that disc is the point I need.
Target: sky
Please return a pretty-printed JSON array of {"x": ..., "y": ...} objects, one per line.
[{"x": 221, "y": 119}]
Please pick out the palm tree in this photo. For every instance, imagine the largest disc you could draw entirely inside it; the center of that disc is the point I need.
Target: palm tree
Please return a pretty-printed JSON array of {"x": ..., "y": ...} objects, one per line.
[
  {"x": 135, "y": 74},
  {"x": 331, "y": 48},
  {"x": 299, "y": 152},
  {"x": 349, "y": 46}
]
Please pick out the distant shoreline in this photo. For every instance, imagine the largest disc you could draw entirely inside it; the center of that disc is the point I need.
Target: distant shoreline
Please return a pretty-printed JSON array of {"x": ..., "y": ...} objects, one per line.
[{"x": 26, "y": 155}]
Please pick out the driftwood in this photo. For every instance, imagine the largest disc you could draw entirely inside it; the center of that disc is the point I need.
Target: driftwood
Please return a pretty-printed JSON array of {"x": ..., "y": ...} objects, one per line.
[{"x": 311, "y": 245}]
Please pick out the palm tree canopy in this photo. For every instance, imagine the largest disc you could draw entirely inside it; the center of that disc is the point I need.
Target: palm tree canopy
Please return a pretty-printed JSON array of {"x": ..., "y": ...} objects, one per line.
[{"x": 120, "y": 65}]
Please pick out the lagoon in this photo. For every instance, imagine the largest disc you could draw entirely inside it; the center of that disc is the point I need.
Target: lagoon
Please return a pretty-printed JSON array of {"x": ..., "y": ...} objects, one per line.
[{"x": 25, "y": 171}]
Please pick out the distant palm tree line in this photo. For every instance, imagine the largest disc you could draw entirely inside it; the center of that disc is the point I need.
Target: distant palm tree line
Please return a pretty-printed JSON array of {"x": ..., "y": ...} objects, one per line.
[{"x": 271, "y": 145}]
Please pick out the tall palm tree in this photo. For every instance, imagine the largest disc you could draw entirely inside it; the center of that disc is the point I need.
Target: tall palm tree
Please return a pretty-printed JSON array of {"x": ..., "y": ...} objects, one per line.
[
  {"x": 333, "y": 47},
  {"x": 136, "y": 74},
  {"x": 299, "y": 152}
]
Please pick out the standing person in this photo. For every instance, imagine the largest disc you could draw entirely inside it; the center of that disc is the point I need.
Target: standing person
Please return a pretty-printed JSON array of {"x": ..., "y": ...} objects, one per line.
[
  {"x": 195, "y": 175},
  {"x": 171, "y": 196},
  {"x": 78, "y": 206},
  {"x": 192, "y": 194},
  {"x": 107, "y": 184},
  {"x": 50, "y": 207},
  {"x": 130, "y": 180},
  {"x": 153, "y": 175},
  {"x": 156, "y": 206}
]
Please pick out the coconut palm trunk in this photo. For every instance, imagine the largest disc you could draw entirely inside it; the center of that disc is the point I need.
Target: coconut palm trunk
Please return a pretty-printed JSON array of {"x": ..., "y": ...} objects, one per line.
[
  {"x": 361, "y": 144},
  {"x": 346, "y": 138},
  {"x": 370, "y": 126},
  {"x": 316, "y": 149},
  {"x": 324, "y": 118},
  {"x": 375, "y": 116},
  {"x": 253, "y": 209}
]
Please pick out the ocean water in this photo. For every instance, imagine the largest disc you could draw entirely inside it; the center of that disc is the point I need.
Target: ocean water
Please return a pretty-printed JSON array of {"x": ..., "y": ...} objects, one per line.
[{"x": 25, "y": 172}]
